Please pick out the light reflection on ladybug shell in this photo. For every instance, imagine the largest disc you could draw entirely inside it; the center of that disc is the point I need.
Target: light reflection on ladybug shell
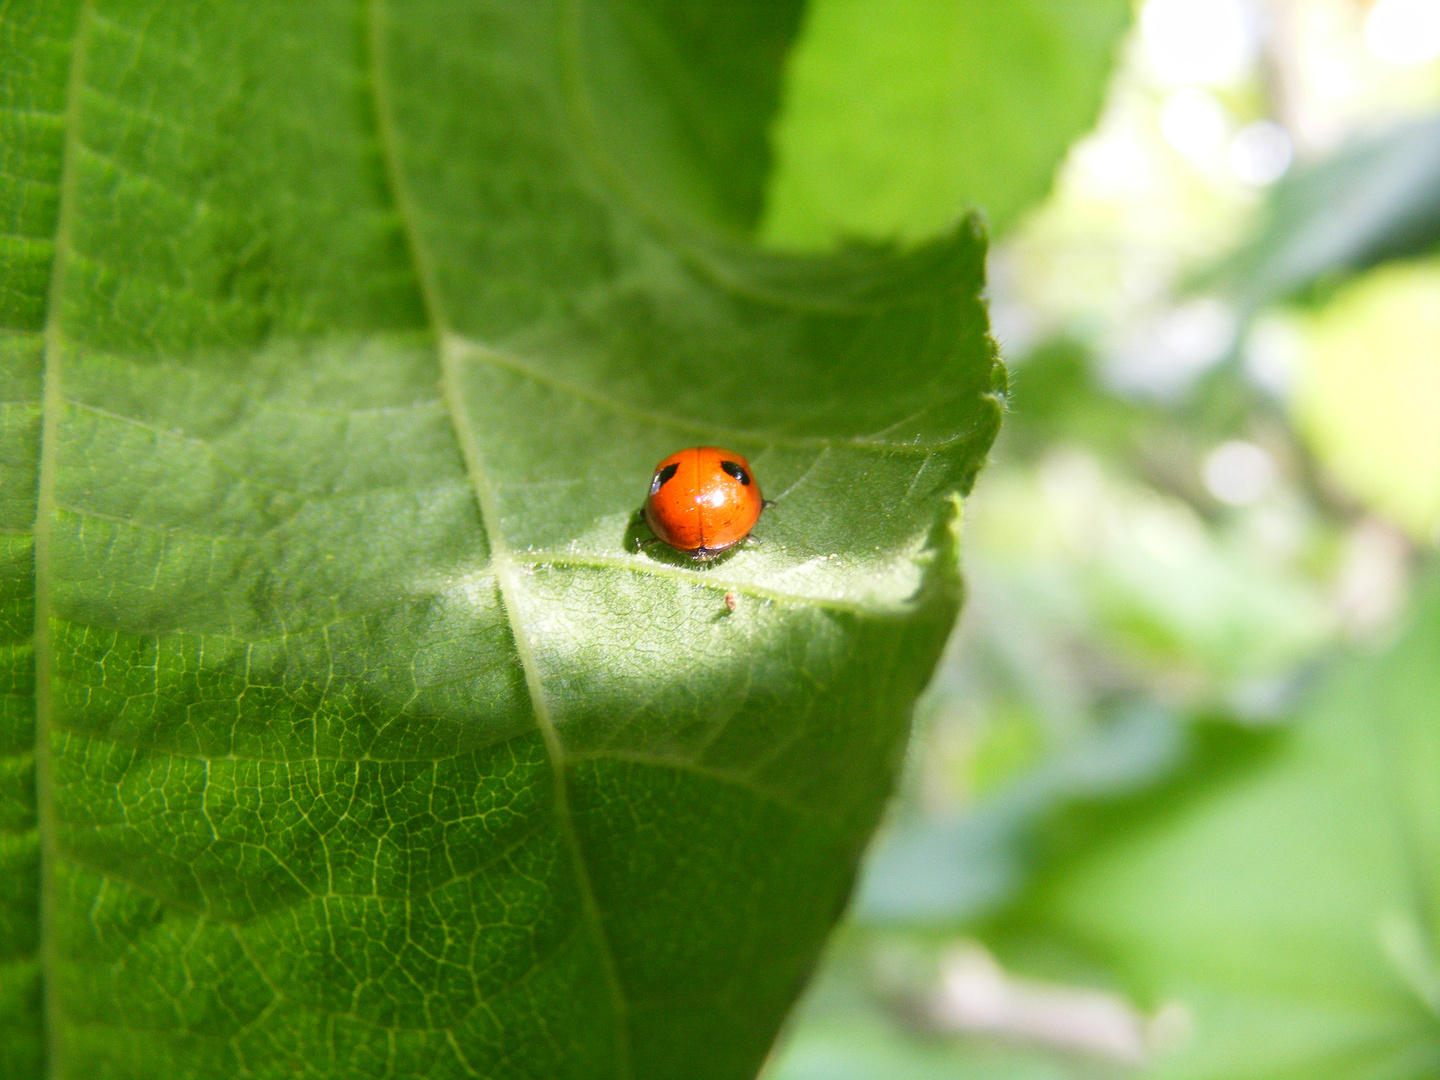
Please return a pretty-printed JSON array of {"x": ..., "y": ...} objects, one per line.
[{"x": 703, "y": 500}]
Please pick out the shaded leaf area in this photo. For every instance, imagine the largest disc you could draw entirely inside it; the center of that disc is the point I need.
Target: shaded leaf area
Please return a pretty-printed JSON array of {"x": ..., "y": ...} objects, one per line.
[
  {"x": 338, "y": 345},
  {"x": 1374, "y": 200},
  {"x": 899, "y": 117},
  {"x": 1285, "y": 901}
]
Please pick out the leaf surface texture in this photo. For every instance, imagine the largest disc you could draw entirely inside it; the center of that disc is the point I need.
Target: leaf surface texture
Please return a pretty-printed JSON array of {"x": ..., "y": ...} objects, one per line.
[{"x": 346, "y": 733}]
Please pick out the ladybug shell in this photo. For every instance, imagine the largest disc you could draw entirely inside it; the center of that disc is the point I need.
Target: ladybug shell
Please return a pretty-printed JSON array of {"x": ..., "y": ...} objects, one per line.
[{"x": 703, "y": 500}]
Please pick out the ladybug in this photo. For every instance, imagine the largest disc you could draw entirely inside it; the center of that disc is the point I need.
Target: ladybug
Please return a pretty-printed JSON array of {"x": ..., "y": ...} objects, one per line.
[{"x": 703, "y": 500}]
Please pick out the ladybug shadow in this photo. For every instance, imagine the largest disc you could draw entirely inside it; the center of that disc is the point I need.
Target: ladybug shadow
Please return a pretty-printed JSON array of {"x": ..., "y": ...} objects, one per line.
[{"x": 638, "y": 537}]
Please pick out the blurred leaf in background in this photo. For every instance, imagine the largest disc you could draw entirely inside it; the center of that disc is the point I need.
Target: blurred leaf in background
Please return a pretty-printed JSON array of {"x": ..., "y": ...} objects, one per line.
[
  {"x": 900, "y": 116},
  {"x": 1288, "y": 902},
  {"x": 1146, "y": 830},
  {"x": 1270, "y": 913},
  {"x": 1367, "y": 391},
  {"x": 1375, "y": 200}
]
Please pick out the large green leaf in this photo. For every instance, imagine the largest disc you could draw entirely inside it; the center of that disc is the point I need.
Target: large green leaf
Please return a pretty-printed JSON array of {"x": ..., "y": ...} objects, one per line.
[
  {"x": 338, "y": 345},
  {"x": 1287, "y": 903},
  {"x": 900, "y": 116}
]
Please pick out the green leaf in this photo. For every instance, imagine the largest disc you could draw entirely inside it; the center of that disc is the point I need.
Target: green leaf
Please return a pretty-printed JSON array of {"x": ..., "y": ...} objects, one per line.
[
  {"x": 900, "y": 116},
  {"x": 339, "y": 343},
  {"x": 1374, "y": 200},
  {"x": 1286, "y": 903}
]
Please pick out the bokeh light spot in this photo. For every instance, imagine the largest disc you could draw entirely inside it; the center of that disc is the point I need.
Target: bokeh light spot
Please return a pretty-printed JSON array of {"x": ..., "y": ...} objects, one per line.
[
  {"x": 1239, "y": 473},
  {"x": 1199, "y": 42},
  {"x": 1404, "y": 31}
]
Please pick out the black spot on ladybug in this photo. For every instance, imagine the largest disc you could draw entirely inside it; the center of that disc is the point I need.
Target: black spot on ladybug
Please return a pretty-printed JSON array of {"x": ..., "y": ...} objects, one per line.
[
  {"x": 664, "y": 474},
  {"x": 734, "y": 469}
]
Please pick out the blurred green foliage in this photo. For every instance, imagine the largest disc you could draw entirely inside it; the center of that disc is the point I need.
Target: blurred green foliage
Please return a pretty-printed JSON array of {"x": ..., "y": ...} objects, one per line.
[
  {"x": 899, "y": 116},
  {"x": 1376, "y": 199},
  {"x": 1284, "y": 896},
  {"x": 1170, "y": 808}
]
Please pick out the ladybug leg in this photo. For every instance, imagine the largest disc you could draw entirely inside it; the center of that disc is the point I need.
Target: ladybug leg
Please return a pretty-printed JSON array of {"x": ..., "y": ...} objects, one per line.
[
  {"x": 641, "y": 543},
  {"x": 765, "y": 504}
]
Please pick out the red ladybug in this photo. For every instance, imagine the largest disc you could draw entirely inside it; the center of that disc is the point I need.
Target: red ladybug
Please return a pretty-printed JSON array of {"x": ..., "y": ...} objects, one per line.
[{"x": 703, "y": 500}]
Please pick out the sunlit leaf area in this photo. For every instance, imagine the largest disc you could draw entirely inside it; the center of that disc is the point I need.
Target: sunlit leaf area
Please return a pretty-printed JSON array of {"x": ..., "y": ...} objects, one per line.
[{"x": 1070, "y": 711}]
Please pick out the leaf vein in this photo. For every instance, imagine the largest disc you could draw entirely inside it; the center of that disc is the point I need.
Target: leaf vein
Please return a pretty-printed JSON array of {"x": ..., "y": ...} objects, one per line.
[
  {"x": 501, "y": 559},
  {"x": 488, "y": 354},
  {"x": 705, "y": 579},
  {"x": 720, "y": 776},
  {"x": 44, "y": 502}
]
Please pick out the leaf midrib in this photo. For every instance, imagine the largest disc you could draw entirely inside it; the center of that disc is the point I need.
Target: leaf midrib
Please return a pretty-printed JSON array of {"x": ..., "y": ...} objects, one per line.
[
  {"x": 51, "y": 400},
  {"x": 505, "y": 565},
  {"x": 501, "y": 560}
]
